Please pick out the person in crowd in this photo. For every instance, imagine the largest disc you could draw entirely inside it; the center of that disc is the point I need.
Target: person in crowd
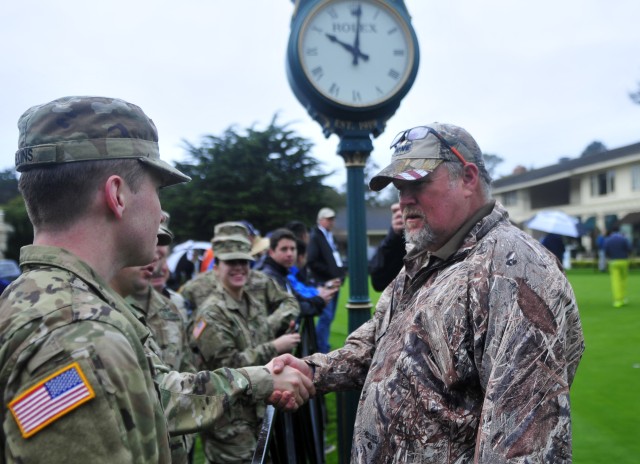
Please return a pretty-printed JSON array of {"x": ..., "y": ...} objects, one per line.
[
  {"x": 388, "y": 259},
  {"x": 325, "y": 264},
  {"x": 471, "y": 352},
  {"x": 555, "y": 244},
  {"x": 602, "y": 257},
  {"x": 166, "y": 323},
  {"x": 281, "y": 258},
  {"x": 231, "y": 329},
  {"x": 161, "y": 273},
  {"x": 78, "y": 382},
  {"x": 281, "y": 306},
  {"x": 301, "y": 231},
  {"x": 617, "y": 250}
]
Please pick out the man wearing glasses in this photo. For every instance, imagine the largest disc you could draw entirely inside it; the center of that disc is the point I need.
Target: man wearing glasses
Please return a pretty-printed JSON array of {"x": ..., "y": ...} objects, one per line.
[{"x": 472, "y": 349}]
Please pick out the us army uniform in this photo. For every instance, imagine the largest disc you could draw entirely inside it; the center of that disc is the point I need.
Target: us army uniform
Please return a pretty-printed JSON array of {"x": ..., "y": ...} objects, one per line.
[
  {"x": 469, "y": 356},
  {"x": 231, "y": 333},
  {"x": 60, "y": 317},
  {"x": 78, "y": 384},
  {"x": 168, "y": 328},
  {"x": 282, "y": 307}
]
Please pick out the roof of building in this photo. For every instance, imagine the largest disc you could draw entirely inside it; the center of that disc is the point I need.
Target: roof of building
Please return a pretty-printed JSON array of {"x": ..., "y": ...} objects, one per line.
[{"x": 567, "y": 165}]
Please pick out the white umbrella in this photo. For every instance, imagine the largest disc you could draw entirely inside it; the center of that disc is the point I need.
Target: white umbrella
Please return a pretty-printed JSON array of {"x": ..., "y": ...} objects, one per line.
[
  {"x": 181, "y": 249},
  {"x": 554, "y": 222}
]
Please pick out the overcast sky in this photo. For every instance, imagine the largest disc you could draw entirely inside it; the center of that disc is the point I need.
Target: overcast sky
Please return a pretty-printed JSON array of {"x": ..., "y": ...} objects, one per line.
[{"x": 532, "y": 81}]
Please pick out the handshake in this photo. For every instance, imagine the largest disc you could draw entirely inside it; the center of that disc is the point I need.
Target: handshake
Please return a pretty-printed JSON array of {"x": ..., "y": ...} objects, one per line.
[{"x": 292, "y": 382}]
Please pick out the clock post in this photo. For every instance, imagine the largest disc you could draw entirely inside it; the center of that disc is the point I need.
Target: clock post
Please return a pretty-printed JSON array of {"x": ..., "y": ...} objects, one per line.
[{"x": 350, "y": 63}]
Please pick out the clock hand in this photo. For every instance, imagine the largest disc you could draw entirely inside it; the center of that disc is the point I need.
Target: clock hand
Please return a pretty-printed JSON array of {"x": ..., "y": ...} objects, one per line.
[
  {"x": 357, "y": 12},
  {"x": 347, "y": 47}
]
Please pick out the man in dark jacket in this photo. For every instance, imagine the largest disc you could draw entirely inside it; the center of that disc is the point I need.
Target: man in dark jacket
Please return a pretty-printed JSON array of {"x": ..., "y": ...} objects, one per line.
[{"x": 282, "y": 256}]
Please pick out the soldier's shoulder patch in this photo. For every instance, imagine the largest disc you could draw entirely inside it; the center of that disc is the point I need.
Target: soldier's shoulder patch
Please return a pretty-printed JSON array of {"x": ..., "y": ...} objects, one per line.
[
  {"x": 50, "y": 399},
  {"x": 198, "y": 328}
]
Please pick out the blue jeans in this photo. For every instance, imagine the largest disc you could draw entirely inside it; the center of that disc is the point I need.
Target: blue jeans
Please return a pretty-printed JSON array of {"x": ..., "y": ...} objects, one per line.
[{"x": 323, "y": 326}]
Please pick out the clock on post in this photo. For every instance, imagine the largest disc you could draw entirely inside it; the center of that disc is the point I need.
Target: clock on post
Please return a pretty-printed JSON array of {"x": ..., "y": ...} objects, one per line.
[{"x": 350, "y": 63}]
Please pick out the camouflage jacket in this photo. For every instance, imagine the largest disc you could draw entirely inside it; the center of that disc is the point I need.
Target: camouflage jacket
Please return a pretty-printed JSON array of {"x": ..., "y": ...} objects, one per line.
[
  {"x": 281, "y": 307},
  {"x": 469, "y": 356},
  {"x": 168, "y": 327},
  {"x": 63, "y": 328},
  {"x": 222, "y": 335}
]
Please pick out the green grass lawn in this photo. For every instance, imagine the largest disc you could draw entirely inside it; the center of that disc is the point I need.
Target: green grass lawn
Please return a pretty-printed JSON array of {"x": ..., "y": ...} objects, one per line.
[{"x": 605, "y": 396}]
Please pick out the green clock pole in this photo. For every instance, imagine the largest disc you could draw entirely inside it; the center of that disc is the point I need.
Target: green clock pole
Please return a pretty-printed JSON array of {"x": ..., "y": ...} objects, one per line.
[
  {"x": 355, "y": 148},
  {"x": 350, "y": 64}
]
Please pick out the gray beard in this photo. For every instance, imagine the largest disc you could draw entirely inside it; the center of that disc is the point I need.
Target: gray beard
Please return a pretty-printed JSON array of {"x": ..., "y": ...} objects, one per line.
[{"x": 422, "y": 239}]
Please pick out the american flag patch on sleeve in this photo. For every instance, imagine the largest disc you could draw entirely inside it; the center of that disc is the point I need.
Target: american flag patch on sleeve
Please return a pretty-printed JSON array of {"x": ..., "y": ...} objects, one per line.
[
  {"x": 50, "y": 399},
  {"x": 198, "y": 328}
]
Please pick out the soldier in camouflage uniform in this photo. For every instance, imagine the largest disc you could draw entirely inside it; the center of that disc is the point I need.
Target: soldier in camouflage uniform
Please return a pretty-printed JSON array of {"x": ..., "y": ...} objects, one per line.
[
  {"x": 473, "y": 347},
  {"x": 78, "y": 382},
  {"x": 161, "y": 272},
  {"x": 230, "y": 329},
  {"x": 166, "y": 323},
  {"x": 281, "y": 306},
  {"x": 163, "y": 318}
]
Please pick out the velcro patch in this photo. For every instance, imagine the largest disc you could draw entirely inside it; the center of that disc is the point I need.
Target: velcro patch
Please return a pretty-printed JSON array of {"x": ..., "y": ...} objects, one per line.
[
  {"x": 50, "y": 399},
  {"x": 198, "y": 328}
]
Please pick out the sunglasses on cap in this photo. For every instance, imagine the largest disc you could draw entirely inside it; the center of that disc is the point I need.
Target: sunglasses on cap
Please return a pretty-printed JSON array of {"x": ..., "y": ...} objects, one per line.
[{"x": 421, "y": 132}]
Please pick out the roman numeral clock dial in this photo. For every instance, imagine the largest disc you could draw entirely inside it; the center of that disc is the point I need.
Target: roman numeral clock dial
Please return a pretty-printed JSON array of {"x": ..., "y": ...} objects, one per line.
[{"x": 356, "y": 53}]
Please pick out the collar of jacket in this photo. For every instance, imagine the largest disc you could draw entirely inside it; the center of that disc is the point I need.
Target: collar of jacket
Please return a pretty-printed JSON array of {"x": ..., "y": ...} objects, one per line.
[
  {"x": 467, "y": 236},
  {"x": 279, "y": 268}
]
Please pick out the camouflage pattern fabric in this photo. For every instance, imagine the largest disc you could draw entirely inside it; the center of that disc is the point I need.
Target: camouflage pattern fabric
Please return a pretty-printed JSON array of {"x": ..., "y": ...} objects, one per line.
[
  {"x": 168, "y": 329},
  {"x": 282, "y": 308},
  {"x": 72, "y": 129},
  {"x": 58, "y": 312},
  {"x": 229, "y": 333},
  {"x": 179, "y": 301},
  {"x": 473, "y": 363}
]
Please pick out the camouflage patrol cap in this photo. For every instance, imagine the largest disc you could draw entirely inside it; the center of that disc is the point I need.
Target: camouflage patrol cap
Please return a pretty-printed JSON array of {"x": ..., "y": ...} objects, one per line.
[
  {"x": 416, "y": 157},
  {"x": 72, "y": 129},
  {"x": 231, "y": 228},
  {"x": 228, "y": 247}
]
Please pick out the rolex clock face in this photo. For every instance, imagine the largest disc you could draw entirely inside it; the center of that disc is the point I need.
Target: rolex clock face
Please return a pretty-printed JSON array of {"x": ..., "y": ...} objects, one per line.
[{"x": 355, "y": 53}]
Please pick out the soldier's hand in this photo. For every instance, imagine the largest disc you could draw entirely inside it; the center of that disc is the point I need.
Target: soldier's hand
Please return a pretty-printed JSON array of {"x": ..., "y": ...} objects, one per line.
[
  {"x": 286, "y": 343},
  {"x": 291, "y": 388}
]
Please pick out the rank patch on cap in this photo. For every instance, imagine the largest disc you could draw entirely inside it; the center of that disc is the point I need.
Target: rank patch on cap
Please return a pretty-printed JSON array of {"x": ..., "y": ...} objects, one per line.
[
  {"x": 198, "y": 328},
  {"x": 52, "y": 398}
]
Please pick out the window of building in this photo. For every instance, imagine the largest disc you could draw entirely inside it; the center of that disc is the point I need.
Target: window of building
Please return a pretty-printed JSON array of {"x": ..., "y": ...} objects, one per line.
[
  {"x": 603, "y": 183},
  {"x": 510, "y": 198},
  {"x": 635, "y": 177}
]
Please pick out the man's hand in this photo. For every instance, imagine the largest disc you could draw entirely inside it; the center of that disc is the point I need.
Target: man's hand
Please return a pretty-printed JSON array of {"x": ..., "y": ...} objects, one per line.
[
  {"x": 327, "y": 293},
  {"x": 396, "y": 219},
  {"x": 292, "y": 382}
]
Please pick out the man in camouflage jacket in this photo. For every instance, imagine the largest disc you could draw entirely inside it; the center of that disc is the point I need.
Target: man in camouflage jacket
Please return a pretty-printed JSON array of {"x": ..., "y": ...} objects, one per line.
[
  {"x": 473, "y": 348},
  {"x": 78, "y": 383}
]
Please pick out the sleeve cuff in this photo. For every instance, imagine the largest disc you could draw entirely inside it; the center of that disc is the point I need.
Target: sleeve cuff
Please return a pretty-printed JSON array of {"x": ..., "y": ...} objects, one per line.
[{"x": 260, "y": 382}]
